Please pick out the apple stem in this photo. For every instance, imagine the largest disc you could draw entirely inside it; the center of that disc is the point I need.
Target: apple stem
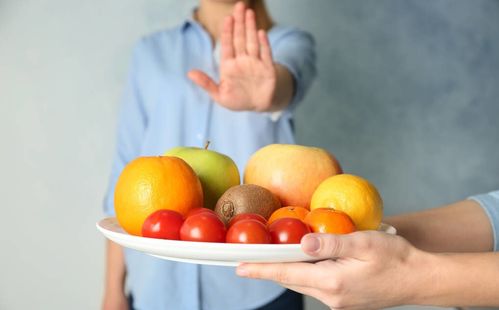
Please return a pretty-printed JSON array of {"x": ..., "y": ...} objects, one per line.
[{"x": 207, "y": 144}]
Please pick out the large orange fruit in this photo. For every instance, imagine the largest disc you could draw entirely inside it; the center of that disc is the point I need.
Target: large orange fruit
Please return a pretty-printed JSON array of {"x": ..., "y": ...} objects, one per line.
[
  {"x": 353, "y": 195},
  {"x": 148, "y": 184}
]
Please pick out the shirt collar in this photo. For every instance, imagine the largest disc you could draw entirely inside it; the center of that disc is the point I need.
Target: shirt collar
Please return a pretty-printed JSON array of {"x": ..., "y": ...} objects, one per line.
[{"x": 190, "y": 21}]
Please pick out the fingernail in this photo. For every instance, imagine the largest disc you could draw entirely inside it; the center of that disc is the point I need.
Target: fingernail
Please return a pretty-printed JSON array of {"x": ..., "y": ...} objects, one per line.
[
  {"x": 311, "y": 244},
  {"x": 241, "y": 271}
]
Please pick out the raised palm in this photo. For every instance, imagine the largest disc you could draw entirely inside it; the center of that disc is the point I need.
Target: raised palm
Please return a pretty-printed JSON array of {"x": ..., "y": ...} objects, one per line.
[{"x": 247, "y": 73}]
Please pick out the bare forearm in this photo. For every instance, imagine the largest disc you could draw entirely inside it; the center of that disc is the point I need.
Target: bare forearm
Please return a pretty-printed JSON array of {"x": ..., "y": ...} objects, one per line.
[
  {"x": 459, "y": 227},
  {"x": 115, "y": 269},
  {"x": 284, "y": 89},
  {"x": 468, "y": 279}
]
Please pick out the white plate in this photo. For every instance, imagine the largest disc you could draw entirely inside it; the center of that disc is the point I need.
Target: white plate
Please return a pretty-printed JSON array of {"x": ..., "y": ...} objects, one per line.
[{"x": 208, "y": 253}]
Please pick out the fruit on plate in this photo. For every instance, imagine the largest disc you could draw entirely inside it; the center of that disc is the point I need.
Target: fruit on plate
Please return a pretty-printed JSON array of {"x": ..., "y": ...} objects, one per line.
[
  {"x": 325, "y": 220},
  {"x": 353, "y": 195},
  {"x": 217, "y": 171},
  {"x": 247, "y": 198},
  {"x": 163, "y": 224},
  {"x": 291, "y": 172},
  {"x": 247, "y": 216},
  {"x": 289, "y": 212},
  {"x": 148, "y": 184},
  {"x": 203, "y": 227},
  {"x": 248, "y": 231},
  {"x": 288, "y": 230},
  {"x": 199, "y": 210}
]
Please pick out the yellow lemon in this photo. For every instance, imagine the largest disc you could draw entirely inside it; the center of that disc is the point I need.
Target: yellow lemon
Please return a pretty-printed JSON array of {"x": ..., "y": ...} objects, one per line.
[{"x": 353, "y": 195}]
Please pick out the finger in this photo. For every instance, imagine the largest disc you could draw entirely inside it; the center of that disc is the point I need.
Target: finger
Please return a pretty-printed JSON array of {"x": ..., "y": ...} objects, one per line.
[
  {"x": 265, "y": 51},
  {"x": 226, "y": 39},
  {"x": 239, "y": 32},
  {"x": 356, "y": 245},
  {"x": 204, "y": 81},
  {"x": 303, "y": 274},
  {"x": 251, "y": 35}
]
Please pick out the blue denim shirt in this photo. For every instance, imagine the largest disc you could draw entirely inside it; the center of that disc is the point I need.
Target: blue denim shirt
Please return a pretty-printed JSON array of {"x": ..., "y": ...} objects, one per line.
[
  {"x": 161, "y": 109},
  {"x": 490, "y": 204}
]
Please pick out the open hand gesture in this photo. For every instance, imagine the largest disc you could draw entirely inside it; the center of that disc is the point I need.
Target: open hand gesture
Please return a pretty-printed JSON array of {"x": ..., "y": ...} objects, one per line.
[{"x": 247, "y": 72}]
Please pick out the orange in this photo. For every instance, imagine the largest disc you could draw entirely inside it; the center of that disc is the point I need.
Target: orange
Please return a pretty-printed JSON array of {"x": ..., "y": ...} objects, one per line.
[
  {"x": 353, "y": 195},
  {"x": 324, "y": 220},
  {"x": 148, "y": 184},
  {"x": 290, "y": 211}
]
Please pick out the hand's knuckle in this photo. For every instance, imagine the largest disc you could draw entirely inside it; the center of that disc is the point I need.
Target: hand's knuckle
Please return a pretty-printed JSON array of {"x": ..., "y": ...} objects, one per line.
[
  {"x": 281, "y": 276},
  {"x": 333, "y": 286},
  {"x": 332, "y": 247},
  {"x": 365, "y": 243}
]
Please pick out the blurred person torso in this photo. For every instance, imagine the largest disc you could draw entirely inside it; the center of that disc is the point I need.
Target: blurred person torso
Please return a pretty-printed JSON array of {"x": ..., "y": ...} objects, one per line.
[{"x": 162, "y": 109}]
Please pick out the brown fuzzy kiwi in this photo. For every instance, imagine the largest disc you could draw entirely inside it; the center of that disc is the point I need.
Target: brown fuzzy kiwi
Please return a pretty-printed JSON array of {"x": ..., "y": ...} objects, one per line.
[{"x": 246, "y": 198}]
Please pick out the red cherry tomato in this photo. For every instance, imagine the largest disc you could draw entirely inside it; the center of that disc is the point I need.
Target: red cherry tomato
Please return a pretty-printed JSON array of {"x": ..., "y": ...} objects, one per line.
[
  {"x": 248, "y": 231},
  {"x": 203, "y": 227},
  {"x": 199, "y": 210},
  {"x": 288, "y": 230},
  {"x": 163, "y": 224},
  {"x": 246, "y": 216}
]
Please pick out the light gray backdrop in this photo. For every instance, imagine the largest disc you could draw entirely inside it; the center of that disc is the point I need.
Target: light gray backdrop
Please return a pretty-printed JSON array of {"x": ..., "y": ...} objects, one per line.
[{"x": 406, "y": 96}]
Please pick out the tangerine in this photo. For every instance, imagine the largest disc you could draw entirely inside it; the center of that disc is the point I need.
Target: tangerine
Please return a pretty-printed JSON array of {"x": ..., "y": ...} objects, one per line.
[
  {"x": 288, "y": 212},
  {"x": 325, "y": 220}
]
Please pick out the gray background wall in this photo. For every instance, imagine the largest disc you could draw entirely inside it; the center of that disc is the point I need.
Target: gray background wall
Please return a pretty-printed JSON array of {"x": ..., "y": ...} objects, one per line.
[{"x": 406, "y": 96}]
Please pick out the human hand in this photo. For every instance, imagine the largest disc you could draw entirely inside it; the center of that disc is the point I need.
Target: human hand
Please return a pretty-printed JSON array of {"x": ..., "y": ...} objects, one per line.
[
  {"x": 247, "y": 72},
  {"x": 362, "y": 270}
]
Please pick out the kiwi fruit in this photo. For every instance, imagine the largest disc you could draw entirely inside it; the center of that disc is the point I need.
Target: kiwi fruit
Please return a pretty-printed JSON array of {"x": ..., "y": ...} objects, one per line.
[{"x": 246, "y": 198}]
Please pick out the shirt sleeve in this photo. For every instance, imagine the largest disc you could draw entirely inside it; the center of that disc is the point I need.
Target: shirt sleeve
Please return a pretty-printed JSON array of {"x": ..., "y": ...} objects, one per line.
[
  {"x": 490, "y": 204},
  {"x": 132, "y": 122},
  {"x": 295, "y": 50}
]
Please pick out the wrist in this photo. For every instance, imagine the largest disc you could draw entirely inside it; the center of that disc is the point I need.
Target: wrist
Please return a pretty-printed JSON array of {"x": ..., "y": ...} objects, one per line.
[
  {"x": 423, "y": 277},
  {"x": 284, "y": 89},
  {"x": 439, "y": 279}
]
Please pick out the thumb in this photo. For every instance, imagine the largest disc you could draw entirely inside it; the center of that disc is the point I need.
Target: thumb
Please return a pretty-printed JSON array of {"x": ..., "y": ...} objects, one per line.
[
  {"x": 204, "y": 81},
  {"x": 328, "y": 246}
]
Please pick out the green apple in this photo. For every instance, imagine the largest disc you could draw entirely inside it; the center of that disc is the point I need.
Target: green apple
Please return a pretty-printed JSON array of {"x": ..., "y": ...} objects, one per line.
[{"x": 217, "y": 172}]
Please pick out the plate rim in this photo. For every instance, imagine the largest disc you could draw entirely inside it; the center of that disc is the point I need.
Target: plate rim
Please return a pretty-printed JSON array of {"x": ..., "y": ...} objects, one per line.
[{"x": 108, "y": 226}]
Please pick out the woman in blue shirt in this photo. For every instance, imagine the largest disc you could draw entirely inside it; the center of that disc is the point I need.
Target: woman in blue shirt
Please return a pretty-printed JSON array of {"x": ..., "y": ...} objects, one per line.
[
  {"x": 373, "y": 270},
  {"x": 240, "y": 100}
]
